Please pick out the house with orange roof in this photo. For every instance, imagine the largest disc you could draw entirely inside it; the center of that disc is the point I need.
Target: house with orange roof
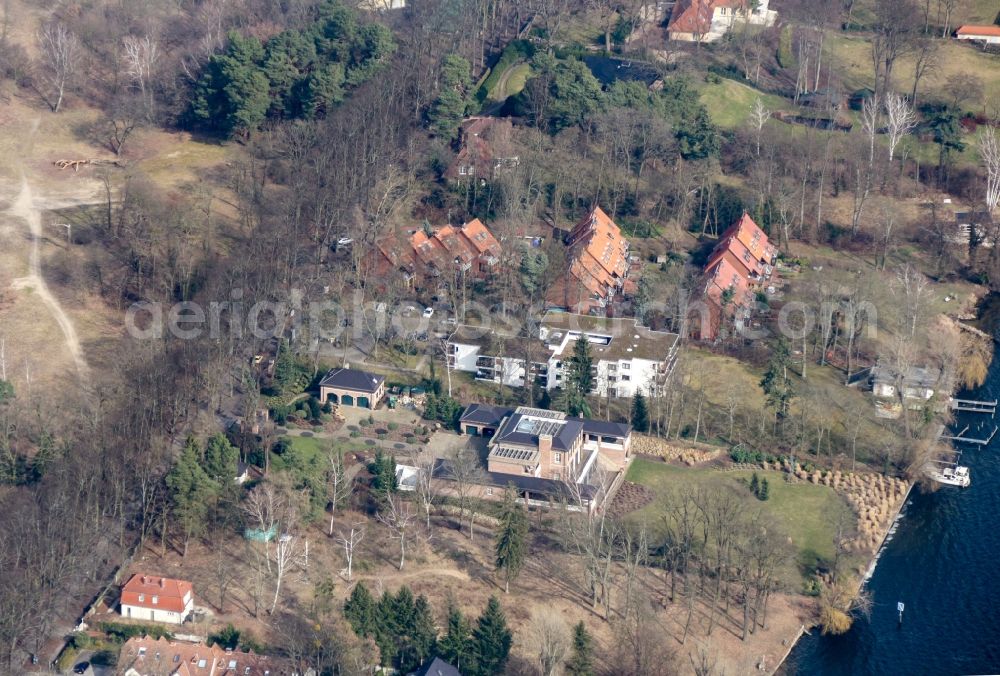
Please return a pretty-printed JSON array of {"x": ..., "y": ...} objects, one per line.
[
  {"x": 738, "y": 266},
  {"x": 988, "y": 34},
  {"x": 157, "y": 599},
  {"x": 598, "y": 263},
  {"x": 471, "y": 249},
  {"x": 709, "y": 20},
  {"x": 146, "y": 656}
]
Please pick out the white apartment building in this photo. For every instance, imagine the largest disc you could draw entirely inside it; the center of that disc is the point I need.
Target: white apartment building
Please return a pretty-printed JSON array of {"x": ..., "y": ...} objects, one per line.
[{"x": 627, "y": 357}]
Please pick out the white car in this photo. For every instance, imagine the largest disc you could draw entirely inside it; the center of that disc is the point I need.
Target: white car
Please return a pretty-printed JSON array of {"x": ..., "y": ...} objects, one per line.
[
  {"x": 344, "y": 241},
  {"x": 428, "y": 312}
]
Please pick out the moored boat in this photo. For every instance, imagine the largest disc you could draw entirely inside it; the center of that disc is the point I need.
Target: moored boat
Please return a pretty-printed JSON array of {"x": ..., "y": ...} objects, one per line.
[{"x": 951, "y": 476}]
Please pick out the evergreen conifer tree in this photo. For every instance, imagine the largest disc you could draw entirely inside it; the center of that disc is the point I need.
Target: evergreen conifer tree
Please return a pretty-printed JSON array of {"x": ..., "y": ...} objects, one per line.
[
  {"x": 456, "y": 645},
  {"x": 511, "y": 544},
  {"x": 765, "y": 490},
  {"x": 581, "y": 659},
  {"x": 755, "y": 484},
  {"x": 640, "y": 413},
  {"x": 191, "y": 489},
  {"x": 492, "y": 640},
  {"x": 359, "y": 609},
  {"x": 423, "y": 634},
  {"x": 579, "y": 380}
]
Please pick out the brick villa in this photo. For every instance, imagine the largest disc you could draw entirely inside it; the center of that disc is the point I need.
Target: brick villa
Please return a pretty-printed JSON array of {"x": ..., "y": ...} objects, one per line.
[{"x": 547, "y": 455}]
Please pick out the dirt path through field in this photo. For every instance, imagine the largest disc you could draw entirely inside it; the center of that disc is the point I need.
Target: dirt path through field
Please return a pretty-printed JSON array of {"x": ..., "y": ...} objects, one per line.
[{"x": 24, "y": 208}]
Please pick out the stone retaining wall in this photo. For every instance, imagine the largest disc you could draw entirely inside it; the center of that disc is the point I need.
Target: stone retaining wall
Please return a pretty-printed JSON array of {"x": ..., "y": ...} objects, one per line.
[{"x": 687, "y": 452}]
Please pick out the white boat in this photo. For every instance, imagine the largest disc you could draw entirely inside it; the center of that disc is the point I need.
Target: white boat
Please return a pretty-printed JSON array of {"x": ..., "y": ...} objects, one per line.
[{"x": 951, "y": 476}]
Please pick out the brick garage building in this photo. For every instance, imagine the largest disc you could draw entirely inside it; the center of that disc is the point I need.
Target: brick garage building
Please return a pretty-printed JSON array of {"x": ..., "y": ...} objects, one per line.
[{"x": 348, "y": 387}]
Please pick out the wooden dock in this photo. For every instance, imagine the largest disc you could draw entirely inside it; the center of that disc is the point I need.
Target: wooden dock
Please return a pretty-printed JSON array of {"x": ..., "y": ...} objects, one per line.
[
  {"x": 961, "y": 438},
  {"x": 972, "y": 406}
]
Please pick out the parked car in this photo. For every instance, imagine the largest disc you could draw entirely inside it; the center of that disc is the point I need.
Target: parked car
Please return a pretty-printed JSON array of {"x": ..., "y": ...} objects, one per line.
[
  {"x": 81, "y": 668},
  {"x": 344, "y": 241},
  {"x": 428, "y": 312}
]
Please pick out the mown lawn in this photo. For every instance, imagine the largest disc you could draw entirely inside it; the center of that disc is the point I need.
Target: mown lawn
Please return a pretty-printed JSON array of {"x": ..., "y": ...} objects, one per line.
[
  {"x": 312, "y": 450},
  {"x": 807, "y": 513},
  {"x": 729, "y": 102},
  {"x": 852, "y": 54}
]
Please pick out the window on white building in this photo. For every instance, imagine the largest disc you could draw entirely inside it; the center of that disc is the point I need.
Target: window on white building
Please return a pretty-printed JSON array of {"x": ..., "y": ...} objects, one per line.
[
  {"x": 489, "y": 491},
  {"x": 626, "y": 377},
  {"x": 626, "y": 367},
  {"x": 557, "y": 458}
]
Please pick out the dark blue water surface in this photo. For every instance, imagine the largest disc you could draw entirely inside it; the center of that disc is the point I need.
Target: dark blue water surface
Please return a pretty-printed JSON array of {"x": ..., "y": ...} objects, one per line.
[{"x": 944, "y": 565}]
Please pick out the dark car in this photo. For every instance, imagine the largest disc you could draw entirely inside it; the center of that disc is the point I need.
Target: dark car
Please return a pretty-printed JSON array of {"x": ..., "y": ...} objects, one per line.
[{"x": 81, "y": 668}]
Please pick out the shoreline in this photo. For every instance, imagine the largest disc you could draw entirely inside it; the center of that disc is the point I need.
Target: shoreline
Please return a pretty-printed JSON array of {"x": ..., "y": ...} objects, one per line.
[
  {"x": 980, "y": 311},
  {"x": 890, "y": 530}
]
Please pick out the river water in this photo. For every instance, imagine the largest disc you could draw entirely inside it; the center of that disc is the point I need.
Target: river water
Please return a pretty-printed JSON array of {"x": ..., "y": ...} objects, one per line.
[{"x": 944, "y": 564}]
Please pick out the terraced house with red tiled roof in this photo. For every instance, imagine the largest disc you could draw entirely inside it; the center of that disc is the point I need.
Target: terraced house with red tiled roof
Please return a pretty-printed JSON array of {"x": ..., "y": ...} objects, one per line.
[
  {"x": 598, "y": 263},
  {"x": 470, "y": 249},
  {"x": 738, "y": 266}
]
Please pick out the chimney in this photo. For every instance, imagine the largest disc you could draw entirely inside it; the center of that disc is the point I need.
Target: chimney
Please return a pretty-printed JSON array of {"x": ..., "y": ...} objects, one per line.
[
  {"x": 162, "y": 583},
  {"x": 144, "y": 579},
  {"x": 544, "y": 443}
]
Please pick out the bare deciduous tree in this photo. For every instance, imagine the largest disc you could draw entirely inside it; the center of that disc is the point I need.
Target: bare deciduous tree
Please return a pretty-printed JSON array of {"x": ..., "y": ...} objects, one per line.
[
  {"x": 989, "y": 150},
  {"x": 288, "y": 553},
  {"x": 141, "y": 55},
  {"x": 397, "y": 516},
  {"x": 550, "y": 639},
  {"x": 759, "y": 115},
  {"x": 864, "y": 169},
  {"x": 350, "y": 540},
  {"x": 338, "y": 485},
  {"x": 60, "y": 54},
  {"x": 262, "y": 509},
  {"x": 426, "y": 488},
  {"x": 900, "y": 120}
]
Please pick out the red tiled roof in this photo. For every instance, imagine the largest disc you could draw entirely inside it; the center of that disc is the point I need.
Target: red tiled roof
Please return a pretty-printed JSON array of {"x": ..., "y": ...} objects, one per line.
[
  {"x": 481, "y": 238},
  {"x": 740, "y": 253},
  {"x": 169, "y": 593},
  {"x": 439, "y": 250},
  {"x": 597, "y": 246},
  {"x": 970, "y": 29},
  {"x": 695, "y": 16},
  {"x": 155, "y": 657},
  {"x": 751, "y": 236},
  {"x": 727, "y": 273}
]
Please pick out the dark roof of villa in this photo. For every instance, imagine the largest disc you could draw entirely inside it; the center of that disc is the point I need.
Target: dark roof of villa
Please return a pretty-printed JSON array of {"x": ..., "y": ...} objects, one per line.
[
  {"x": 549, "y": 487},
  {"x": 519, "y": 429},
  {"x": 485, "y": 414},
  {"x": 350, "y": 379},
  {"x": 610, "y": 429},
  {"x": 437, "y": 667}
]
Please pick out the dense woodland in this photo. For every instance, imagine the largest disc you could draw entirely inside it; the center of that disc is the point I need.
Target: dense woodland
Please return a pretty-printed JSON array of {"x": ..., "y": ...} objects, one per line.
[{"x": 344, "y": 122}]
